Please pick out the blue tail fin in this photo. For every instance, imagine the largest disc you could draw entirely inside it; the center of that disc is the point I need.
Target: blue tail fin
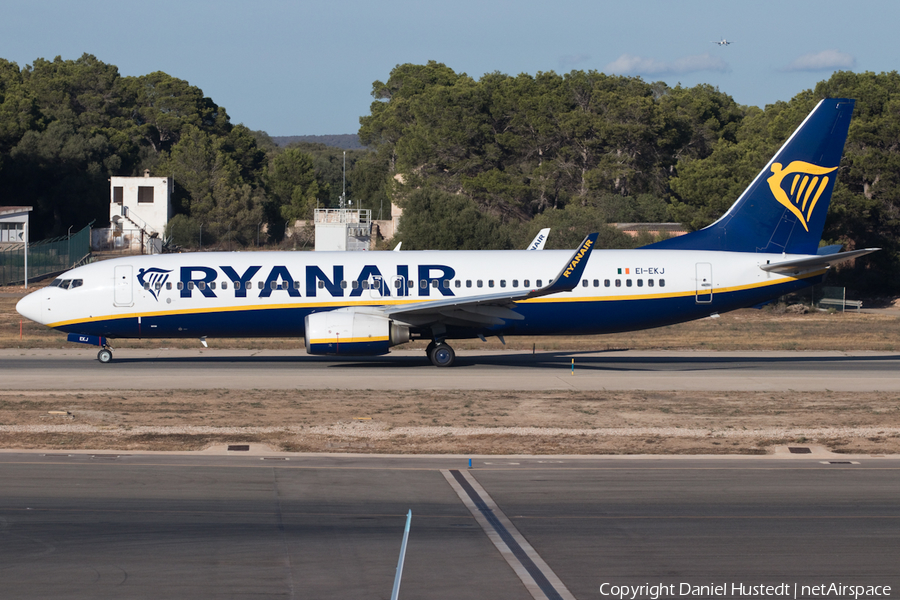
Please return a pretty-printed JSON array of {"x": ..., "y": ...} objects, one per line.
[{"x": 783, "y": 209}]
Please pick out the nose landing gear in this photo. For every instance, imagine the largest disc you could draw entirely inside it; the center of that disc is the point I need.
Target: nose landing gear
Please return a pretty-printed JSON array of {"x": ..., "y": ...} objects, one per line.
[{"x": 105, "y": 355}]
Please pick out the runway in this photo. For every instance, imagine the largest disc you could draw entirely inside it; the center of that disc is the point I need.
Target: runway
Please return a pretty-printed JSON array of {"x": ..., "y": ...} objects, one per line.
[
  {"x": 303, "y": 526},
  {"x": 78, "y": 369}
]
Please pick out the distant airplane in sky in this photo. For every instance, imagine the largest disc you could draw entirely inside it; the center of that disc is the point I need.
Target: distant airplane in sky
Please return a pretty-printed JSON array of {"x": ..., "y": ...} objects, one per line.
[{"x": 722, "y": 42}]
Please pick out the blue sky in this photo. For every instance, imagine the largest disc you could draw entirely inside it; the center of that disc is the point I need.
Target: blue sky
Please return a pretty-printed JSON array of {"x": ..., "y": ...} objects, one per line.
[{"x": 307, "y": 67}]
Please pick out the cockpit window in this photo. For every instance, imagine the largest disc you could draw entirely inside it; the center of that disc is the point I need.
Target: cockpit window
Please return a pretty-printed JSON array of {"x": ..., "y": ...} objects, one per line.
[{"x": 66, "y": 284}]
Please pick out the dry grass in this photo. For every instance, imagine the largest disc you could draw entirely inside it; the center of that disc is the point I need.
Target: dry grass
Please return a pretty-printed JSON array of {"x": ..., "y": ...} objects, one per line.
[{"x": 479, "y": 422}]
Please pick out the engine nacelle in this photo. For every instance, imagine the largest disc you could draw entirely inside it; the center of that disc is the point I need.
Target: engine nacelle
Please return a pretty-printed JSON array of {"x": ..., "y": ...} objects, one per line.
[{"x": 352, "y": 333}]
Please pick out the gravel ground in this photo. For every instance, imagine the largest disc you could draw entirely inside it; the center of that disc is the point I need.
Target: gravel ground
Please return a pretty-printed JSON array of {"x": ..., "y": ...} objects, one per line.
[{"x": 454, "y": 422}]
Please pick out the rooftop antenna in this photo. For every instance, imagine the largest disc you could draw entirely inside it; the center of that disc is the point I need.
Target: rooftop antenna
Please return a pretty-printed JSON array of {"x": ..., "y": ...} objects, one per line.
[{"x": 343, "y": 201}]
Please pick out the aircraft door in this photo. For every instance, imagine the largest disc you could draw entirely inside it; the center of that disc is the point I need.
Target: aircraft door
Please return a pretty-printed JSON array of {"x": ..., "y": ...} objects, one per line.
[
  {"x": 704, "y": 283},
  {"x": 122, "y": 286}
]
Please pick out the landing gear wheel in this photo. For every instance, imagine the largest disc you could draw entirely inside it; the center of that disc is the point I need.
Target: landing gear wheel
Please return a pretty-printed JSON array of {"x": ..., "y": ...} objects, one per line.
[
  {"x": 442, "y": 355},
  {"x": 104, "y": 356}
]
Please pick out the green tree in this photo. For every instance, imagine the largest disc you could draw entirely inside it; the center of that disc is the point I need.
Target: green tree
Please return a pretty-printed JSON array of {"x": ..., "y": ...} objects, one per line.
[
  {"x": 436, "y": 220},
  {"x": 293, "y": 186},
  {"x": 210, "y": 188}
]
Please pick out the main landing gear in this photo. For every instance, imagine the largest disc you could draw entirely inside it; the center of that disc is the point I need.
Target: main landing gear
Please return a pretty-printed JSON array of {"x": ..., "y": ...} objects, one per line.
[{"x": 440, "y": 354}]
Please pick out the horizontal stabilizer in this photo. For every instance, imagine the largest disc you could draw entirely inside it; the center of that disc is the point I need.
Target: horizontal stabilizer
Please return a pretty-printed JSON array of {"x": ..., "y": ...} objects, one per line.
[{"x": 811, "y": 263}]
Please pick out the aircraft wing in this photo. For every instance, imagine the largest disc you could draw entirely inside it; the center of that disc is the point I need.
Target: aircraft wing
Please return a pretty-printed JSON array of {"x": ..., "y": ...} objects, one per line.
[
  {"x": 799, "y": 265},
  {"x": 493, "y": 309}
]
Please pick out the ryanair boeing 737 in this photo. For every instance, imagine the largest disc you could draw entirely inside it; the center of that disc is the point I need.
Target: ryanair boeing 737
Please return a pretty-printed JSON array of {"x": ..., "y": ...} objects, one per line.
[{"x": 363, "y": 303}]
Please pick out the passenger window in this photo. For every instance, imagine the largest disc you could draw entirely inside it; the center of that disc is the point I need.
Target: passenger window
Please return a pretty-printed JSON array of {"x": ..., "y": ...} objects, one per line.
[
  {"x": 538, "y": 283},
  {"x": 640, "y": 282},
  {"x": 446, "y": 283},
  {"x": 180, "y": 285},
  {"x": 321, "y": 285},
  {"x": 490, "y": 283},
  {"x": 479, "y": 283},
  {"x": 526, "y": 283},
  {"x": 596, "y": 283},
  {"x": 212, "y": 285},
  {"x": 503, "y": 283},
  {"x": 627, "y": 283},
  {"x": 584, "y": 283},
  {"x": 237, "y": 285},
  {"x": 434, "y": 283},
  {"x": 157, "y": 286},
  {"x": 224, "y": 285},
  {"x": 606, "y": 283},
  {"x": 202, "y": 285},
  {"x": 260, "y": 285},
  {"x": 296, "y": 285},
  {"x": 468, "y": 283},
  {"x": 662, "y": 283},
  {"x": 618, "y": 283},
  {"x": 168, "y": 285},
  {"x": 190, "y": 285},
  {"x": 649, "y": 283},
  {"x": 146, "y": 285},
  {"x": 344, "y": 284},
  {"x": 355, "y": 284},
  {"x": 423, "y": 283},
  {"x": 515, "y": 283},
  {"x": 457, "y": 283},
  {"x": 274, "y": 285},
  {"x": 398, "y": 283},
  {"x": 365, "y": 285}
]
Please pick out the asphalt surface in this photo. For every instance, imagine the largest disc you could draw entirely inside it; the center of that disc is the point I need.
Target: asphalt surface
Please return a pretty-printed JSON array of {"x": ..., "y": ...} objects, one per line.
[
  {"x": 233, "y": 525},
  {"x": 614, "y": 370},
  {"x": 77, "y": 525}
]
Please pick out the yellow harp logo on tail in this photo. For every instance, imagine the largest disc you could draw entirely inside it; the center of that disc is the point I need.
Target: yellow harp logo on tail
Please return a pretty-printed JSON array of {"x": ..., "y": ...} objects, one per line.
[{"x": 806, "y": 186}]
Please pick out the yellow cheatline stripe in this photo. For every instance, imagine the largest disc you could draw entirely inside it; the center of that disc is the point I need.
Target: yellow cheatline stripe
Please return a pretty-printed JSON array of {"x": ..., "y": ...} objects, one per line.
[
  {"x": 349, "y": 340},
  {"x": 223, "y": 309},
  {"x": 547, "y": 300}
]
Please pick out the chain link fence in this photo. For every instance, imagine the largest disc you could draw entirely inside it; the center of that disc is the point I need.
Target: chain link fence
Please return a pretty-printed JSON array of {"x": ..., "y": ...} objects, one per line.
[{"x": 44, "y": 257}]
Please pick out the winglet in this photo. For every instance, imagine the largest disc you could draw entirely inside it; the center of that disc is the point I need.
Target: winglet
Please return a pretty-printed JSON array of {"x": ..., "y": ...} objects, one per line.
[{"x": 568, "y": 278}]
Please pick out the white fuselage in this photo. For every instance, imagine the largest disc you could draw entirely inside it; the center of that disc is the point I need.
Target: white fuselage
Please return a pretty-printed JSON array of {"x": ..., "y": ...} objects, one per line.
[{"x": 269, "y": 293}]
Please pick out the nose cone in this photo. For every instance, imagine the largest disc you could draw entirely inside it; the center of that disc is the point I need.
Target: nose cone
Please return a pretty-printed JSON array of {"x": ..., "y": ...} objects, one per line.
[{"x": 30, "y": 307}]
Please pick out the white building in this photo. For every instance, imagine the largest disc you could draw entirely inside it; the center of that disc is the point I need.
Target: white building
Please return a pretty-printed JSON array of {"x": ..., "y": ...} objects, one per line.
[
  {"x": 343, "y": 229},
  {"x": 139, "y": 209},
  {"x": 13, "y": 223}
]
